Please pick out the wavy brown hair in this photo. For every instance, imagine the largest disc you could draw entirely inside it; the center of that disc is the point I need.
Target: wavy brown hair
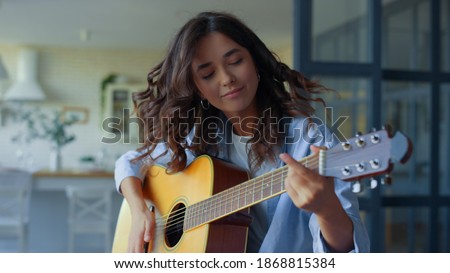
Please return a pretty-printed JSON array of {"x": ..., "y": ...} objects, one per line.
[{"x": 170, "y": 107}]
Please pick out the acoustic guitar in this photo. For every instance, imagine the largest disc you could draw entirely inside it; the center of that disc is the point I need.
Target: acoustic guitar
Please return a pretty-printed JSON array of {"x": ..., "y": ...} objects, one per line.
[{"x": 205, "y": 207}]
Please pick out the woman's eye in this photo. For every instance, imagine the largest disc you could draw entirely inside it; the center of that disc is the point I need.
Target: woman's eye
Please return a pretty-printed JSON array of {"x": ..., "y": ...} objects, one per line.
[
  {"x": 236, "y": 61},
  {"x": 208, "y": 76}
]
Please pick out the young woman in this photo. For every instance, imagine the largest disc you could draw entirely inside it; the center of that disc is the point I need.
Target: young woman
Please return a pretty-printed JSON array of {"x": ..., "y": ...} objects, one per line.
[{"x": 220, "y": 91}]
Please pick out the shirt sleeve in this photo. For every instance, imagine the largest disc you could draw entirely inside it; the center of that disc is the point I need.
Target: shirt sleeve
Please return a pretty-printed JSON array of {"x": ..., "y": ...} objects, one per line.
[
  {"x": 125, "y": 167},
  {"x": 350, "y": 204}
]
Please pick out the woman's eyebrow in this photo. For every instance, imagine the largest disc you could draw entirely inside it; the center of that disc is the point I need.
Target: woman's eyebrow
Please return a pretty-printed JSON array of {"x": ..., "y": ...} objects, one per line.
[
  {"x": 226, "y": 55},
  {"x": 201, "y": 66},
  {"x": 231, "y": 52}
]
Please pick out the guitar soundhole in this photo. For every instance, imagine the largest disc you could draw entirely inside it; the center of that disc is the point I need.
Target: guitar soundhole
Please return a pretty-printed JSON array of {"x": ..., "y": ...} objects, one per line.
[{"x": 174, "y": 225}]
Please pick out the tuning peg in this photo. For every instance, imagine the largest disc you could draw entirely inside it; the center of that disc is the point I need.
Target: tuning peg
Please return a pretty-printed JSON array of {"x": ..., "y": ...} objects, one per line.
[
  {"x": 358, "y": 134},
  {"x": 356, "y": 187},
  {"x": 373, "y": 183},
  {"x": 387, "y": 179}
]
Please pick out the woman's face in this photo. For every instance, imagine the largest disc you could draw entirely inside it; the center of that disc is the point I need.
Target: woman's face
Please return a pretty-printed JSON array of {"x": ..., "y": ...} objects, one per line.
[{"x": 226, "y": 75}]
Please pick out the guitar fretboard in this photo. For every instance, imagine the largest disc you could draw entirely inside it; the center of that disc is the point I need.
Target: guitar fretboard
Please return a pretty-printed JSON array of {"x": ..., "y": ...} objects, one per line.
[{"x": 240, "y": 197}]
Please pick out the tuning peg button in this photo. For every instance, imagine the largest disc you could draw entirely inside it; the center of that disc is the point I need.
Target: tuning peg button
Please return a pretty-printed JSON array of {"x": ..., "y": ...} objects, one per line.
[
  {"x": 375, "y": 139},
  {"x": 373, "y": 183},
  {"x": 360, "y": 142},
  {"x": 356, "y": 187},
  {"x": 374, "y": 163},
  {"x": 346, "y": 146}
]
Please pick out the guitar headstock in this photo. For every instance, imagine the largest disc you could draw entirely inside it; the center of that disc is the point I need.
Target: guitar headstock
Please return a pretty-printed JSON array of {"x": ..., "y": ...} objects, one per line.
[{"x": 366, "y": 155}]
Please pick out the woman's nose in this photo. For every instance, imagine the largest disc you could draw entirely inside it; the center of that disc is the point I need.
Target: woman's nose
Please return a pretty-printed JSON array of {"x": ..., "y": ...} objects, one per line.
[{"x": 226, "y": 77}]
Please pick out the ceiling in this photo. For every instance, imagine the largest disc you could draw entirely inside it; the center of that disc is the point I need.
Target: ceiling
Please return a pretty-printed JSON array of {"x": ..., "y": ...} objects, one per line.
[{"x": 130, "y": 24}]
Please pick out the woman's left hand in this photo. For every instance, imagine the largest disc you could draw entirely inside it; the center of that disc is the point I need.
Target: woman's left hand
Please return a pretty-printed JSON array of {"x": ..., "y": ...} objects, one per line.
[
  {"x": 315, "y": 193},
  {"x": 308, "y": 189}
]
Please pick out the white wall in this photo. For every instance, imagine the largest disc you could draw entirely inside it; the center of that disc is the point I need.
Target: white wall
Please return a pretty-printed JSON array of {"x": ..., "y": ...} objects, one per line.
[{"x": 71, "y": 77}]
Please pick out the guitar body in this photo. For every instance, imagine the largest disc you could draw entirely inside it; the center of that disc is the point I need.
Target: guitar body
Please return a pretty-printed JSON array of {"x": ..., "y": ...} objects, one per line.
[{"x": 204, "y": 177}]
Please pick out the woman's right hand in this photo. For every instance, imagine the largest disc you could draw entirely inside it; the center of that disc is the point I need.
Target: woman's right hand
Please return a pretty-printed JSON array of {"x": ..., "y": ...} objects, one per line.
[
  {"x": 142, "y": 219},
  {"x": 142, "y": 230}
]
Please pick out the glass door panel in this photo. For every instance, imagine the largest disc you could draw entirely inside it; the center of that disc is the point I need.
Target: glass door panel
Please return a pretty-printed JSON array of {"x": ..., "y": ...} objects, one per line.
[
  {"x": 340, "y": 32},
  {"x": 406, "y": 35},
  {"x": 406, "y": 108},
  {"x": 445, "y": 35},
  {"x": 406, "y": 229},
  {"x": 444, "y": 137}
]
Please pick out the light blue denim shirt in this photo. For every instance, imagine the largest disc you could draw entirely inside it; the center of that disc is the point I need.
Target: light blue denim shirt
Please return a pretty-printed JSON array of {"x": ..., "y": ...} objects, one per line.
[{"x": 290, "y": 229}]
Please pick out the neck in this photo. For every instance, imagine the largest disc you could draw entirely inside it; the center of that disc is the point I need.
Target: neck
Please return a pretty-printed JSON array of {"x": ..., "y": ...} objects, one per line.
[{"x": 244, "y": 126}]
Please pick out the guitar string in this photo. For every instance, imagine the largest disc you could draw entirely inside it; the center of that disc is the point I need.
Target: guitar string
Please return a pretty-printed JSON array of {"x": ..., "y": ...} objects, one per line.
[
  {"x": 220, "y": 205},
  {"x": 277, "y": 172},
  {"x": 174, "y": 227},
  {"x": 242, "y": 185},
  {"x": 260, "y": 186}
]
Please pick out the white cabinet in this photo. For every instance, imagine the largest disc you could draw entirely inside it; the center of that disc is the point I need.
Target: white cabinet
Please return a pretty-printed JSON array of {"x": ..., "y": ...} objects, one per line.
[{"x": 119, "y": 117}]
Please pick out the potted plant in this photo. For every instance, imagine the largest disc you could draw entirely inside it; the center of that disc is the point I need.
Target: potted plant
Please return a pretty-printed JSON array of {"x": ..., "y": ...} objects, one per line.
[{"x": 48, "y": 126}]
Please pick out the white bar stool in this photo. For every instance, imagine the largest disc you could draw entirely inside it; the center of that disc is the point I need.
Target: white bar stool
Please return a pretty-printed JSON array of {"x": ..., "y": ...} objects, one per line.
[
  {"x": 15, "y": 194},
  {"x": 90, "y": 213}
]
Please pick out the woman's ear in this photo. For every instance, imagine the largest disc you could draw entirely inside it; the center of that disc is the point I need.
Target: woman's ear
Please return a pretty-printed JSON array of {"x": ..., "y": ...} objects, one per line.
[{"x": 200, "y": 95}]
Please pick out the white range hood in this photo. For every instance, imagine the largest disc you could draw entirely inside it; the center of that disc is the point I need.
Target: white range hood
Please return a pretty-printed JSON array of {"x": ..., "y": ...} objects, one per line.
[{"x": 26, "y": 86}]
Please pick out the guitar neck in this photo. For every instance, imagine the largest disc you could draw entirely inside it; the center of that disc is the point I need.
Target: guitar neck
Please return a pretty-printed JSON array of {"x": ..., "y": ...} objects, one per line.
[{"x": 242, "y": 196}]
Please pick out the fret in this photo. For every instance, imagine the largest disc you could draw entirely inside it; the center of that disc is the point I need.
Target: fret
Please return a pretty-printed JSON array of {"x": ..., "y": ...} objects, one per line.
[
  {"x": 275, "y": 183},
  {"x": 247, "y": 193},
  {"x": 194, "y": 215},
  {"x": 253, "y": 192},
  {"x": 232, "y": 200},
  {"x": 229, "y": 201},
  {"x": 199, "y": 213},
  {"x": 191, "y": 216},
  {"x": 265, "y": 192},
  {"x": 271, "y": 184},
  {"x": 202, "y": 211},
  {"x": 245, "y": 199},
  {"x": 215, "y": 207},
  {"x": 209, "y": 210},
  {"x": 283, "y": 177},
  {"x": 257, "y": 191},
  {"x": 188, "y": 218},
  {"x": 223, "y": 203},
  {"x": 242, "y": 195},
  {"x": 218, "y": 205},
  {"x": 241, "y": 200}
]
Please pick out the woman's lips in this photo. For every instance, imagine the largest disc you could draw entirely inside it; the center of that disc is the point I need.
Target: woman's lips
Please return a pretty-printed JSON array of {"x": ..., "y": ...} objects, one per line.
[{"x": 233, "y": 93}]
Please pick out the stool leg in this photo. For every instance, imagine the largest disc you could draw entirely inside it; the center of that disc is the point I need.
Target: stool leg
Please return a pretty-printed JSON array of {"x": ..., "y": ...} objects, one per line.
[
  {"x": 108, "y": 241},
  {"x": 71, "y": 239},
  {"x": 22, "y": 239}
]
